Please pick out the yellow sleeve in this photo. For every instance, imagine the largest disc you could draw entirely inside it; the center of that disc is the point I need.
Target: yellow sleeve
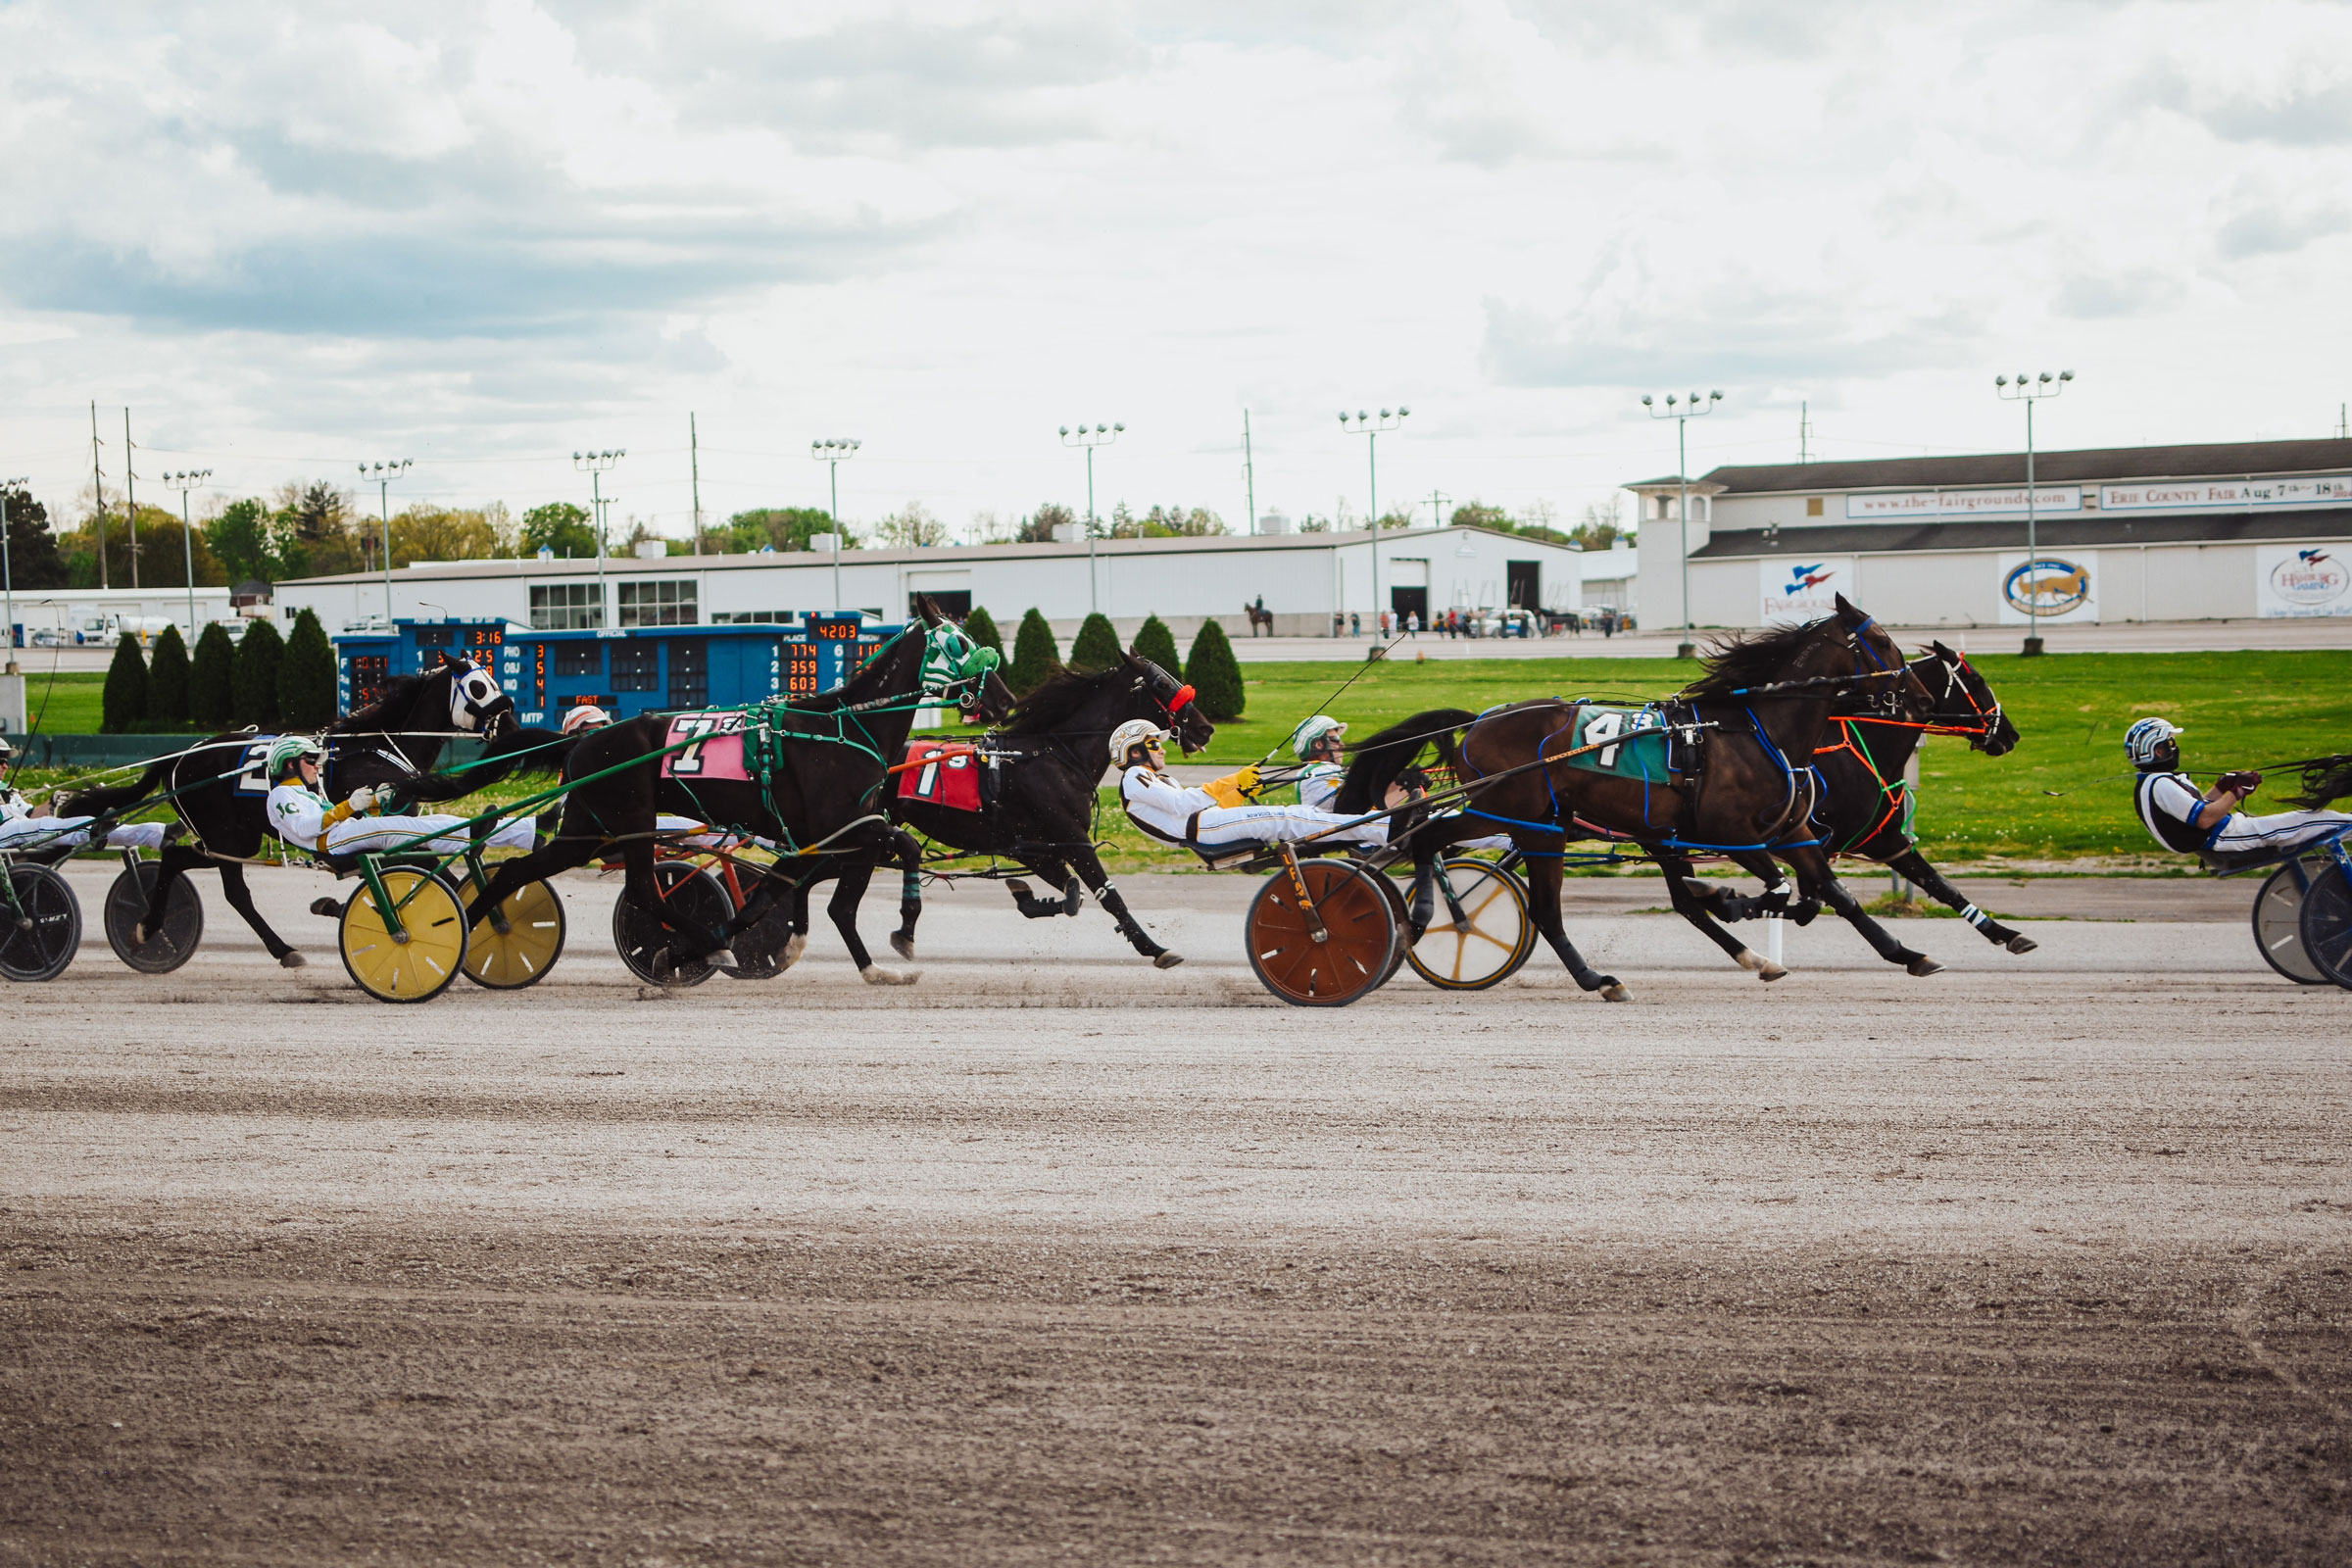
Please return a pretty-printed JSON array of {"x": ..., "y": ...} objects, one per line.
[{"x": 340, "y": 814}]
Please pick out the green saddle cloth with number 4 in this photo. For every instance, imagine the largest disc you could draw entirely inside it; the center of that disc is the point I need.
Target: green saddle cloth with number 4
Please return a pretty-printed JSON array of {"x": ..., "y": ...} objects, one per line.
[{"x": 1639, "y": 755}]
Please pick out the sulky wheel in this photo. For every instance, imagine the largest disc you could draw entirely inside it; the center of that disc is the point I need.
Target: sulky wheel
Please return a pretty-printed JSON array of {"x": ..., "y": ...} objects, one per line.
[
  {"x": 2279, "y": 922},
  {"x": 2327, "y": 924},
  {"x": 167, "y": 949},
  {"x": 41, "y": 930},
  {"x": 532, "y": 938},
  {"x": 759, "y": 950},
  {"x": 1481, "y": 932},
  {"x": 693, "y": 897},
  {"x": 1359, "y": 950},
  {"x": 422, "y": 959}
]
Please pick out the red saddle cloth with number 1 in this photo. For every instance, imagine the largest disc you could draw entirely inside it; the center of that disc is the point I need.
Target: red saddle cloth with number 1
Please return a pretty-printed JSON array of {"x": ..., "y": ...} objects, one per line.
[{"x": 940, "y": 774}]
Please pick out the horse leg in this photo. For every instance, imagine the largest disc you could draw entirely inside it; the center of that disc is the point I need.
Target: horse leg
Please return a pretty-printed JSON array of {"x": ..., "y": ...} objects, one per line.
[
  {"x": 911, "y": 891},
  {"x": 1543, "y": 892},
  {"x": 1695, "y": 906},
  {"x": 1816, "y": 879},
  {"x": 843, "y": 907},
  {"x": 174, "y": 862},
  {"x": 240, "y": 898},
  {"x": 1914, "y": 865},
  {"x": 1090, "y": 868}
]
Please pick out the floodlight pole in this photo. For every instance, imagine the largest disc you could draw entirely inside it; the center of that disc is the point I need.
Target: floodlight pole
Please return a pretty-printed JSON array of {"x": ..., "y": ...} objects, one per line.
[
  {"x": 8, "y": 577},
  {"x": 1370, "y": 427},
  {"x": 1102, "y": 435},
  {"x": 833, "y": 453},
  {"x": 1682, "y": 414},
  {"x": 593, "y": 465},
  {"x": 183, "y": 483},
  {"x": 383, "y": 474},
  {"x": 2030, "y": 393}
]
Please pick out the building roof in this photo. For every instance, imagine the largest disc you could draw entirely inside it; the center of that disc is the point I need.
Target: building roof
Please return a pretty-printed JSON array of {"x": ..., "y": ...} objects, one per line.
[
  {"x": 2087, "y": 466},
  {"x": 2053, "y": 533}
]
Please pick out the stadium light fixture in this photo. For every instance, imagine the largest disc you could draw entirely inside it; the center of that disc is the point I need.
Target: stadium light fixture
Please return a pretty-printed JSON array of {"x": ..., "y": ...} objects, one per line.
[
  {"x": 1682, "y": 415},
  {"x": 2030, "y": 393},
  {"x": 1102, "y": 435}
]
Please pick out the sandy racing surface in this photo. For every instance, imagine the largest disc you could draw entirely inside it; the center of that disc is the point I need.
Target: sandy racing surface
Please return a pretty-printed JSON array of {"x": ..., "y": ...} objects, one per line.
[{"x": 1057, "y": 1258}]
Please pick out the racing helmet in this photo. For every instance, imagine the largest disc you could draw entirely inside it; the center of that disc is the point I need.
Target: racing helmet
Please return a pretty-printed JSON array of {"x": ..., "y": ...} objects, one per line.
[
  {"x": 7, "y": 752},
  {"x": 1311, "y": 731},
  {"x": 586, "y": 717},
  {"x": 292, "y": 749},
  {"x": 2146, "y": 741},
  {"x": 1132, "y": 734}
]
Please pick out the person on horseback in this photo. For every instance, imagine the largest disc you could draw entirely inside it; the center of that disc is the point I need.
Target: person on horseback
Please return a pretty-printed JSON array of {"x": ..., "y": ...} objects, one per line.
[
  {"x": 2197, "y": 821},
  {"x": 1223, "y": 814},
  {"x": 24, "y": 823},
  {"x": 301, "y": 815}
]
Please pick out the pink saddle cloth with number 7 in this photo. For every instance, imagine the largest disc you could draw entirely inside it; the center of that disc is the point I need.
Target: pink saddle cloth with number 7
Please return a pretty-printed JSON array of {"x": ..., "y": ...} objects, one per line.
[{"x": 716, "y": 751}]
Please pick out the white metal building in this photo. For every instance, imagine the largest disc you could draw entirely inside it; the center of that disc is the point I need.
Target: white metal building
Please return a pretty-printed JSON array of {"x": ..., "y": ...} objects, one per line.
[
  {"x": 2120, "y": 534},
  {"x": 71, "y": 616},
  {"x": 1303, "y": 579}
]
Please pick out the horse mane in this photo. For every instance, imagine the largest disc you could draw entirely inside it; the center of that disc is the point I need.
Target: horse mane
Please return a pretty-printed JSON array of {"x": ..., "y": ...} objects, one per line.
[
  {"x": 2324, "y": 782},
  {"x": 399, "y": 691},
  {"x": 1751, "y": 658},
  {"x": 1061, "y": 696}
]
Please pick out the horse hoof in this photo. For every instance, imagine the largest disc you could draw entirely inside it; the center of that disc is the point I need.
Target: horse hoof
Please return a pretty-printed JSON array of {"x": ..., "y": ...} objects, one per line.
[
  {"x": 1016, "y": 887},
  {"x": 723, "y": 959},
  {"x": 2020, "y": 943},
  {"x": 875, "y": 975},
  {"x": 291, "y": 960},
  {"x": 1167, "y": 961},
  {"x": 901, "y": 944},
  {"x": 1613, "y": 991},
  {"x": 138, "y": 935},
  {"x": 659, "y": 964},
  {"x": 1768, "y": 972},
  {"x": 326, "y": 906},
  {"x": 1922, "y": 967},
  {"x": 792, "y": 950}
]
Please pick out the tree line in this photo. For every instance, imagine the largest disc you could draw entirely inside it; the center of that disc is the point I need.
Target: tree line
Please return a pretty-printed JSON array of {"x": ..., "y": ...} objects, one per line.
[
  {"x": 261, "y": 679},
  {"x": 1211, "y": 669}
]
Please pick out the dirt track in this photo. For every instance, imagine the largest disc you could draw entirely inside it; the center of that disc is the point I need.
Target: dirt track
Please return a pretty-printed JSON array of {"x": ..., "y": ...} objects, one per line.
[{"x": 1055, "y": 1258}]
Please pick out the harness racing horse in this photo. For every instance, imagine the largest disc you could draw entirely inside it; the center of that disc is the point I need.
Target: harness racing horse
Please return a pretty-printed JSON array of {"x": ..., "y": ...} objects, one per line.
[
  {"x": 807, "y": 775},
  {"x": 1048, "y": 763},
  {"x": 218, "y": 790},
  {"x": 1764, "y": 699}
]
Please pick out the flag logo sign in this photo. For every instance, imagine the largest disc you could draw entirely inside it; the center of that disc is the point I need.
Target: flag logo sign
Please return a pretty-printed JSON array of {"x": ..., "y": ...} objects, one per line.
[{"x": 2311, "y": 578}]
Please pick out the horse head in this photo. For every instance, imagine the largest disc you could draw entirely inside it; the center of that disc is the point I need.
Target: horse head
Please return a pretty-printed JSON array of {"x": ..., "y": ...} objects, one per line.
[
  {"x": 1169, "y": 702},
  {"x": 476, "y": 702},
  {"x": 955, "y": 667},
  {"x": 1872, "y": 651},
  {"x": 1966, "y": 703}
]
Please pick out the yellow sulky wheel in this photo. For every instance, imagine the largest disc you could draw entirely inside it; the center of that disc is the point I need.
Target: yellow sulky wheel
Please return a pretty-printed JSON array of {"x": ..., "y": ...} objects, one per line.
[
  {"x": 523, "y": 954},
  {"x": 431, "y": 918},
  {"x": 1494, "y": 937}
]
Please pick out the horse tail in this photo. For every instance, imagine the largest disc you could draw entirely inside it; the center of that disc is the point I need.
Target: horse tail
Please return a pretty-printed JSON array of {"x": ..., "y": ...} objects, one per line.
[
  {"x": 2323, "y": 783},
  {"x": 1380, "y": 760},
  {"x": 519, "y": 752},
  {"x": 117, "y": 797}
]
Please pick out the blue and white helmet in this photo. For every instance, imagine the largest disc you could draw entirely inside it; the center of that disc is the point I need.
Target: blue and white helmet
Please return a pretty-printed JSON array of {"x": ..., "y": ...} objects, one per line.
[{"x": 2145, "y": 739}]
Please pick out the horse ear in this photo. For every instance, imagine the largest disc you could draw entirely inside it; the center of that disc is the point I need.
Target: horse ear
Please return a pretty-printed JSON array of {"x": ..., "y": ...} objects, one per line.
[
  {"x": 1943, "y": 653},
  {"x": 1846, "y": 607}
]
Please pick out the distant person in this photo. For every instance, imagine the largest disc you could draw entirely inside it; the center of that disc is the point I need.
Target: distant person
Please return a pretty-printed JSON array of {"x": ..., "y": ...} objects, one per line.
[
  {"x": 1356, "y": 624},
  {"x": 2196, "y": 821},
  {"x": 1413, "y": 624}
]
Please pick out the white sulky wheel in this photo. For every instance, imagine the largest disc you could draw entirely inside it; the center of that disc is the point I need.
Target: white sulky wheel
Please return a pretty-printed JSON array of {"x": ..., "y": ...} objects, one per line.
[{"x": 1496, "y": 935}]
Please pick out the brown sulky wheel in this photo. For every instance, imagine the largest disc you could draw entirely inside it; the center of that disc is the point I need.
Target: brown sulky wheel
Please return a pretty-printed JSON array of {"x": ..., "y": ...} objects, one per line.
[{"x": 1360, "y": 947}]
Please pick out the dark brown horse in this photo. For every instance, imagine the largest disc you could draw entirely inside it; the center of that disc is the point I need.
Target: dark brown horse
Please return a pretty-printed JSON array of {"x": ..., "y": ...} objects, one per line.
[{"x": 1764, "y": 699}]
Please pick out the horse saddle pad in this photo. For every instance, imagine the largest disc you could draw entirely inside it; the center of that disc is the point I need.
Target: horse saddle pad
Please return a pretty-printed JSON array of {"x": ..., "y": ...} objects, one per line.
[
  {"x": 941, "y": 775},
  {"x": 253, "y": 765},
  {"x": 710, "y": 746},
  {"x": 1641, "y": 754}
]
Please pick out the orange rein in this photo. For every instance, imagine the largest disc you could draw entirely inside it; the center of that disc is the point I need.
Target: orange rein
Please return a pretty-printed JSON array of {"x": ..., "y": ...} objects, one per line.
[{"x": 940, "y": 754}]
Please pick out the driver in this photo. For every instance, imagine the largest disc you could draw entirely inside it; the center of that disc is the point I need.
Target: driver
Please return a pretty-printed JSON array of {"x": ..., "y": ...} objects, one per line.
[
  {"x": 1321, "y": 742},
  {"x": 1222, "y": 815},
  {"x": 25, "y": 826},
  {"x": 2209, "y": 822},
  {"x": 304, "y": 817}
]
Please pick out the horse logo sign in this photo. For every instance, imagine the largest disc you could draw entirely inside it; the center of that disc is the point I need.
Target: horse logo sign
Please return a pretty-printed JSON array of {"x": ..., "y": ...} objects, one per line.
[
  {"x": 2302, "y": 580},
  {"x": 1803, "y": 590},
  {"x": 2047, "y": 588}
]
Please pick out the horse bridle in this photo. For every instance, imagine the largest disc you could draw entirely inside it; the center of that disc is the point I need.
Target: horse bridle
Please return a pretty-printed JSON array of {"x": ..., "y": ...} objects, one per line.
[{"x": 1989, "y": 720}]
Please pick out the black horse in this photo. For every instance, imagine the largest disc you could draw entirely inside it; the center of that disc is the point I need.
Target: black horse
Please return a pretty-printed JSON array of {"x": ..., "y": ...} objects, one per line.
[
  {"x": 817, "y": 792},
  {"x": 1745, "y": 795},
  {"x": 1041, "y": 775},
  {"x": 1862, "y": 804},
  {"x": 220, "y": 790}
]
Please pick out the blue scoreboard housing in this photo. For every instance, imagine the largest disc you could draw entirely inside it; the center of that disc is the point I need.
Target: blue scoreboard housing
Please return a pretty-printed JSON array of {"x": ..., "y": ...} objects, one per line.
[{"x": 632, "y": 670}]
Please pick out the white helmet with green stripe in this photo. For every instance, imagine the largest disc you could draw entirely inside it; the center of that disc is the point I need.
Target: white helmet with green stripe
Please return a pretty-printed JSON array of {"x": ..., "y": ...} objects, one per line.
[
  {"x": 290, "y": 750},
  {"x": 1310, "y": 733}
]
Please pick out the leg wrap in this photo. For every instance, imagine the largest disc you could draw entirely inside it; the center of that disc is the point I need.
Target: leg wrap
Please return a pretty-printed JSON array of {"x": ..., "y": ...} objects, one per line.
[{"x": 1975, "y": 916}]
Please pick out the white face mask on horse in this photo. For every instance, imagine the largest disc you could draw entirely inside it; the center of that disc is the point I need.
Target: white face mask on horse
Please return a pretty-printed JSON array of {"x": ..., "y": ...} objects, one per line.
[{"x": 470, "y": 697}]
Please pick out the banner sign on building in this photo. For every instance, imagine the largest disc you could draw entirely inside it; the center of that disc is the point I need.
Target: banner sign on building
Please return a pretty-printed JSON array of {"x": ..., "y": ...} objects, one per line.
[
  {"x": 2302, "y": 580},
  {"x": 2226, "y": 495},
  {"x": 2053, "y": 587},
  {"x": 2010, "y": 503},
  {"x": 1803, "y": 590}
]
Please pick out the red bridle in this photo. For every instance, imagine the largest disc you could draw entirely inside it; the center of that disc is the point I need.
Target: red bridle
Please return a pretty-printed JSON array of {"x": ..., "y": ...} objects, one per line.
[{"x": 1184, "y": 695}]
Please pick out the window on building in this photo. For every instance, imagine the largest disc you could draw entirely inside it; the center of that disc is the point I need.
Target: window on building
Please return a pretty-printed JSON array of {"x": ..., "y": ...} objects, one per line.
[
  {"x": 566, "y": 607},
  {"x": 752, "y": 618},
  {"x": 658, "y": 604},
  {"x": 579, "y": 659},
  {"x": 1812, "y": 506},
  {"x": 637, "y": 666},
  {"x": 689, "y": 672}
]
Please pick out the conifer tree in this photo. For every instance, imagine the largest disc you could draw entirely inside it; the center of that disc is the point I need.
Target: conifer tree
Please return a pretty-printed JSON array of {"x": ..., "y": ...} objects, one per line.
[
  {"x": 123, "y": 705},
  {"x": 981, "y": 627},
  {"x": 1158, "y": 644},
  {"x": 1214, "y": 674},
  {"x": 253, "y": 688},
  {"x": 168, "y": 682},
  {"x": 306, "y": 677},
  {"x": 1096, "y": 647},
  {"x": 211, "y": 678},
  {"x": 1036, "y": 657}
]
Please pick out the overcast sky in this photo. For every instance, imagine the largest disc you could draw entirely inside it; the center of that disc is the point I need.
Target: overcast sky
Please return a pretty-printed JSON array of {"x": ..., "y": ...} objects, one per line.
[{"x": 485, "y": 234}]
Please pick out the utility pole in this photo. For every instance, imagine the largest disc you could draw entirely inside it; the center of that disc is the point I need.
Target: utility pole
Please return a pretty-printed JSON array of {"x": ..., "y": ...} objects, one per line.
[
  {"x": 1370, "y": 428},
  {"x": 183, "y": 483},
  {"x": 130, "y": 501},
  {"x": 98, "y": 492},
  {"x": 694, "y": 451},
  {"x": 1249, "y": 472},
  {"x": 593, "y": 465},
  {"x": 1102, "y": 435},
  {"x": 1682, "y": 418},
  {"x": 1437, "y": 508},
  {"x": 2030, "y": 393},
  {"x": 2343, "y": 421},
  {"x": 833, "y": 453},
  {"x": 384, "y": 474},
  {"x": 1804, "y": 432},
  {"x": 8, "y": 576}
]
